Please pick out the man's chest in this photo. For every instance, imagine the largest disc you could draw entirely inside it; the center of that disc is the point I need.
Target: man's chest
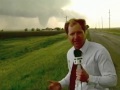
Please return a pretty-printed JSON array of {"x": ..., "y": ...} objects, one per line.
[{"x": 88, "y": 62}]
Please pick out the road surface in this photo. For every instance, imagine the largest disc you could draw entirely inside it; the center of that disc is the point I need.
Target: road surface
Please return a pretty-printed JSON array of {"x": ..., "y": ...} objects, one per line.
[{"x": 110, "y": 41}]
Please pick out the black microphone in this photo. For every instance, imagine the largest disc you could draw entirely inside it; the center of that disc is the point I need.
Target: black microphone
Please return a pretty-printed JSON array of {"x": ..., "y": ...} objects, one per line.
[
  {"x": 77, "y": 54},
  {"x": 77, "y": 61}
]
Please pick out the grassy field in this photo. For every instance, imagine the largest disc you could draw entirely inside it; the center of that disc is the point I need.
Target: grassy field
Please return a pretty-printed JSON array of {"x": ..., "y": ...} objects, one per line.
[
  {"x": 22, "y": 34},
  {"x": 29, "y": 63},
  {"x": 111, "y": 31}
]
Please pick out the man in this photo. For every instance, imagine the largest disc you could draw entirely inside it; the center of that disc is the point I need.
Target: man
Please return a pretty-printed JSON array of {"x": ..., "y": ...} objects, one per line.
[{"x": 97, "y": 69}]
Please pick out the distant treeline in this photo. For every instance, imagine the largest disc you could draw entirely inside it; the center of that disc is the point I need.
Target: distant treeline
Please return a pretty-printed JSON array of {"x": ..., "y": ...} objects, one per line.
[{"x": 20, "y": 34}]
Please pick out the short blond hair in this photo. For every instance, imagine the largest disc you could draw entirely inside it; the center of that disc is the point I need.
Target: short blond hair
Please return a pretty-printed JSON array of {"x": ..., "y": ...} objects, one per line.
[{"x": 73, "y": 22}]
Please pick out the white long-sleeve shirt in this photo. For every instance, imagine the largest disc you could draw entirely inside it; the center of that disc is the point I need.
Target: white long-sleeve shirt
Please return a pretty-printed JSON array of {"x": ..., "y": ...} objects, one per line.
[{"x": 98, "y": 64}]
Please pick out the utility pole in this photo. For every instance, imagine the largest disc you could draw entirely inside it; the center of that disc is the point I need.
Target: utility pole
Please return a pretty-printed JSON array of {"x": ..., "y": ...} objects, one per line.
[
  {"x": 109, "y": 19},
  {"x": 102, "y": 22}
]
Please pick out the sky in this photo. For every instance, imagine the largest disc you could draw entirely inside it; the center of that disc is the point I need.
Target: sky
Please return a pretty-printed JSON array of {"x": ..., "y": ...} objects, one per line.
[{"x": 21, "y": 14}]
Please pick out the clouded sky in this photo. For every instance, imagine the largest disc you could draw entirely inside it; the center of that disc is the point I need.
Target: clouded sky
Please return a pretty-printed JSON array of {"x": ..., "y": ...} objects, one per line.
[{"x": 20, "y": 14}]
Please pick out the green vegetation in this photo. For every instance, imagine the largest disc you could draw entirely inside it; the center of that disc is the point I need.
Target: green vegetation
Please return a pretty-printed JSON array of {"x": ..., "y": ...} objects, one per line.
[
  {"x": 11, "y": 48},
  {"x": 88, "y": 35},
  {"x": 112, "y": 31},
  {"x": 29, "y": 63},
  {"x": 26, "y": 33}
]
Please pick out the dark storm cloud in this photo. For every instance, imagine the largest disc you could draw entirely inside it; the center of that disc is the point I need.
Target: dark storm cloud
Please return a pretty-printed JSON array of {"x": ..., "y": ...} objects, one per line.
[
  {"x": 32, "y": 8},
  {"x": 35, "y": 8}
]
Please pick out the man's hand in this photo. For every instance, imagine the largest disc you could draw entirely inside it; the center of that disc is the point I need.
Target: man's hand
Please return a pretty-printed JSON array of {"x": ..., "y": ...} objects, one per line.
[
  {"x": 54, "y": 85},
  {"x": 82, "y": 75}
]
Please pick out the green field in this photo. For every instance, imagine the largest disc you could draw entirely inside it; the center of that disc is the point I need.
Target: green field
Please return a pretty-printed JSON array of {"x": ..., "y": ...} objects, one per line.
[
  {"x": 115, "y": 31},
  {"x": 29, "y": 63},
  {"x": 22, "y": 34}
]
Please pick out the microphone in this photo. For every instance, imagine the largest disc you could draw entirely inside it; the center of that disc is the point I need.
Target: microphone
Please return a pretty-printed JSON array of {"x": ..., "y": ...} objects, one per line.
[
  {"x": 77, "y": 54},
  {"x": 77, "y": 61}
]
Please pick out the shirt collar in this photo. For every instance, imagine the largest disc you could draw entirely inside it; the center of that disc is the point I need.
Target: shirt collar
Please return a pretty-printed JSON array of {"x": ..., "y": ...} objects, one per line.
[{"x": 85, "y": 46}]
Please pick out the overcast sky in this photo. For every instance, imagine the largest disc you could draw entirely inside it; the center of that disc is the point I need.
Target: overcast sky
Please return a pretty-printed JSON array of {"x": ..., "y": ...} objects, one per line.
[{"x": 20, "y": 14}]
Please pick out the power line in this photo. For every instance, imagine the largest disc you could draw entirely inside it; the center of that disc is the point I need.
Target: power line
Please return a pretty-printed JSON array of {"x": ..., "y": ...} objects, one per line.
[{"x": 109, "y": 19}]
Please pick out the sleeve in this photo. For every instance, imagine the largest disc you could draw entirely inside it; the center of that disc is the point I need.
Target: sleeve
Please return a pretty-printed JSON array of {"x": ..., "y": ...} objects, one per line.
[
  {"x": 65, "y": 81},
  {"x": 108, "y": 76}
]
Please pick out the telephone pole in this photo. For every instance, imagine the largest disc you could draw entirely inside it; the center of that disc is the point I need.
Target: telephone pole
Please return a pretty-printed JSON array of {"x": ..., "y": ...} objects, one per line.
[
  {"x": 109, "y": 19},
  {"x": 102, "y": 22}
]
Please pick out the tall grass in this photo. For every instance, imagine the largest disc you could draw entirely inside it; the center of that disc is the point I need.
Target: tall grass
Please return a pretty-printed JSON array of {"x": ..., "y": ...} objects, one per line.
[
  {"x": 21, "y": 34},
  {"x": 11, "y": 48},
  {"x": 32, "y": 69},
  {"x": 112, "y": 31}
]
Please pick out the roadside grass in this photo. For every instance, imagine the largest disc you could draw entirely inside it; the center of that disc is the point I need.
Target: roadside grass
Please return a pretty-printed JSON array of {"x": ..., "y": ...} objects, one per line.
[
  {"x": 33, "y": 69},
  {"x": 112, "y": 31},
  {"x": 88, "y": 35},
  {"x": 11, "y": 48}
]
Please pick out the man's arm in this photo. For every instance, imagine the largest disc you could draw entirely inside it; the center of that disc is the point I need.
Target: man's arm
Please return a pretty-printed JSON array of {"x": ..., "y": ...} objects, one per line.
[
  {"x": 58, "y": 85},
  {"x": 65, "y": 81},
  {"x": 108, "y": 76}
]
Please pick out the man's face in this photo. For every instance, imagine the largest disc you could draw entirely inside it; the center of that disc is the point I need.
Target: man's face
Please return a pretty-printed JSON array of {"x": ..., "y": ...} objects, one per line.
[{"x": 76, "y": 36}]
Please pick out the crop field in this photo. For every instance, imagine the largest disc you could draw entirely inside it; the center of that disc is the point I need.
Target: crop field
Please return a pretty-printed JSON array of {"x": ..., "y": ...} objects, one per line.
[
  {"x": 22, "y": 34},
  {"x": 29, "y": 63}
]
